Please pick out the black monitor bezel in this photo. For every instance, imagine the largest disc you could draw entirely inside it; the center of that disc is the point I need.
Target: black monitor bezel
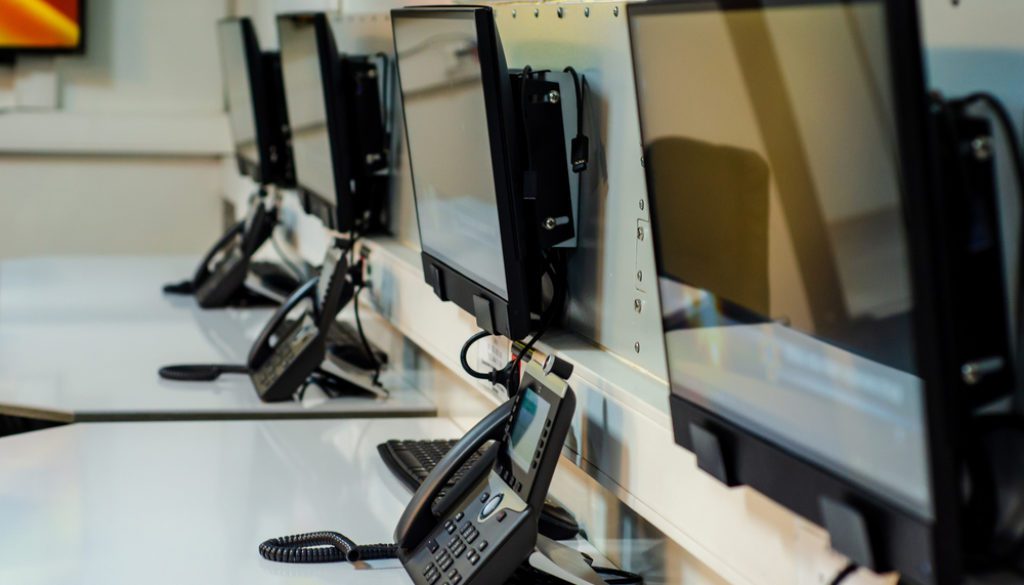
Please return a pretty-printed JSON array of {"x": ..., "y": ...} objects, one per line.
[
  {"x": 342, "y": 213},
  {"x": 270, "y": 117},
  {"x": 10, "y": 53},
  {"x": 510, "y": 317},
  {"x": 794, "y": 481}
]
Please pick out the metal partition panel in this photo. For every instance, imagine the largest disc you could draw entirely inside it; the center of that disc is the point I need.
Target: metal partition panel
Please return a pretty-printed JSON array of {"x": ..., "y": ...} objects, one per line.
[{"x": 614, "y": 299}]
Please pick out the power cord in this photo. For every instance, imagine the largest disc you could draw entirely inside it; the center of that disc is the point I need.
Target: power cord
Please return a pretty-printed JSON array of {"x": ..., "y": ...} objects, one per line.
[
  {"x": 362, "y": 338},
  {"x": 323, "y": 547},
  {"x": 508, "y": 375},
  {"x": 580, "y": 146}
]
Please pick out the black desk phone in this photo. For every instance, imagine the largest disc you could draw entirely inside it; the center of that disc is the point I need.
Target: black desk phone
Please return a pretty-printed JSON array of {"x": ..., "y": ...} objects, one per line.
[
  {"x": 289, "y": 353},
  {"x": 485, "y": 528},
  {"x": 219, "y": 279}
]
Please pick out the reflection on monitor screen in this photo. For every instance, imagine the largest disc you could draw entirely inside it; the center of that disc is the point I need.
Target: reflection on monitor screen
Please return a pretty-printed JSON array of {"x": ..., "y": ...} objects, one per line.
[
  {"x": 449, "y": 146},
  {"x": 784, "y": 276},
  {"x": 307, "y": 114},
  {"x": 237, "y": 89}
]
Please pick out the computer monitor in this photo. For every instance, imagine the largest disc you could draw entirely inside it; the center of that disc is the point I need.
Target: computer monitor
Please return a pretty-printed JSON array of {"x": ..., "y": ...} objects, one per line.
[
  {"x": 457, "y": 100},
  {"x": 338, "y": 135},
  {"x": 42, "y": 27},
  {"x": 788, "y": 174},
  {"x": 254, "y": 98}
]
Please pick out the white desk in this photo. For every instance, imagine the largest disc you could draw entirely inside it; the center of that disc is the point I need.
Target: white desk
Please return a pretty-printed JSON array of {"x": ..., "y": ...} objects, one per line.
[
  {"x": 95, "y": 356},
  {"x": 188, "y": 502},
  {"x": 85, "y": 371},
  {"x": 92, "y": 288}
]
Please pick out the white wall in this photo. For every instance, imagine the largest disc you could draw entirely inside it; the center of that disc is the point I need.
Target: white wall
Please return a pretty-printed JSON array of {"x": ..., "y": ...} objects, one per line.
[{"x": 128, "y": 163}]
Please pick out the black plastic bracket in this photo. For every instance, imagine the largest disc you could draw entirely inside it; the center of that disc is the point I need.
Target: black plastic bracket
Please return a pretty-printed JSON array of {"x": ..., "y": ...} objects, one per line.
[
  {"x": 484, "y": 314},
  {"x": 710, "y": 454},
  {"x": 848, "y": 531}
]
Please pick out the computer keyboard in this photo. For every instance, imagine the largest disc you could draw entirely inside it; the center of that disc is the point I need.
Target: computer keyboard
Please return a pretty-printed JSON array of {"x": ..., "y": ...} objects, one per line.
[{"x": 412, "y": 462}]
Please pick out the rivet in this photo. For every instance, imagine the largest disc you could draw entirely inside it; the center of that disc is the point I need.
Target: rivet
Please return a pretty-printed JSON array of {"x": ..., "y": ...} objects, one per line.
[
  {"x": 615, "y": 11},
  {"x": 514, "y": 13},
  {"x": 561, "y": 12},
  {"x": 640, "y": 275},
  {"x": 638, "y": 305},
  {"x": 642, "y": 205},
  {"x": 586, "y": 12},
  {"x": 636, "y": 347},
  {"x": 536, "y": 12}
]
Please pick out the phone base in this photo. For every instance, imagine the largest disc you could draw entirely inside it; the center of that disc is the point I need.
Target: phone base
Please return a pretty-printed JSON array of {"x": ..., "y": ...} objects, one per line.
[
  {"x": 564, "y": 563},
  {"x": 337, "y": 387}
]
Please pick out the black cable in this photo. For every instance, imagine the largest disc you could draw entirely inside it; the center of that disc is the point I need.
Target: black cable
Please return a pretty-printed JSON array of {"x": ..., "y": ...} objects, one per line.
[
  {"x": 200, "y": 372},
  {"x": 527, "y": 72},
  {"x": 579, "y": 98},
  {"x": 463, "y": 357},
  {"x": 362, "y": 338},
  {"x": 580, "y": 147},
  {"x": 323, "y": 547},
  {"x": 844, "y": 573}
]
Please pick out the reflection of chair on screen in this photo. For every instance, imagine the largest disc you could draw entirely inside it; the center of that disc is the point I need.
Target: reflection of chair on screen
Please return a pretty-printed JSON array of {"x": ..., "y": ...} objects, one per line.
[{"x": 700, "y": 188}]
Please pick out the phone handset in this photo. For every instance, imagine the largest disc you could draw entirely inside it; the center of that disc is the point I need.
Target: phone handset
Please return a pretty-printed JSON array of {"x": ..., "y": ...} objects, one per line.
[
  {"x": 203, "y": 270},
  {"x": 419, "y": 517},
  {"x": 258, "y": 226},
  {"x": 262, "y": 349}
]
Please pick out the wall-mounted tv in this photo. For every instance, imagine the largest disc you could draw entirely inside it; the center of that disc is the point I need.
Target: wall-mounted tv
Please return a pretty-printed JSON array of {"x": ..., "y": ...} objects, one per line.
[{"x": 41, "y": 26}]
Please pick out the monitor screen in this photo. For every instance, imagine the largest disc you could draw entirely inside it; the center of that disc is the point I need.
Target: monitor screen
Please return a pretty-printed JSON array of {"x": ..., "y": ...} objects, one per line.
[
  {"x": 526, "y": 432},
  {"x": 235, "y": 67},
  {"x": 449, "y": 145},
  {"x": 41, "y": 25},
  {"x": 774, "y": 172},
  {"x": 307, "y": 113}
]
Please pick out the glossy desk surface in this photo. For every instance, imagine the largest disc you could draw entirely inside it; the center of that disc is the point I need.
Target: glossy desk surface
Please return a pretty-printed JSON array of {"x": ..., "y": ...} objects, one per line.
[
  {"x": 189, "y": 502},
  {"x": 82, "y": 339},
  {"x": 92, "y": 287}
]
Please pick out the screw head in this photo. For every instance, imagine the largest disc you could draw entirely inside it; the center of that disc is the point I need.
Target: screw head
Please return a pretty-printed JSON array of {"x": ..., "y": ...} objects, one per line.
[
  {"x": 638, "y": 305},
  {"x": 514, "y": 13},
  {"x": 561, "y": 12},
  {"x": 549, "y": 223},
  {"x": 536, "y": 12},
  {"x": 553, "y": 97},
  {"x": 586, "y": 12},
  {"x": 982, "y": 147},
  {"x": 636, "y": 347},
  {"x": 615, "y": 11},
  {"x": 642, "y": 205},
  {"x": 640, "y": 275},
  {"x": 640, "y": 233}
]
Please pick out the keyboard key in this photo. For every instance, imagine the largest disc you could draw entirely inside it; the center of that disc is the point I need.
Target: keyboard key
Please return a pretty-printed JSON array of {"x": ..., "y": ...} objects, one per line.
[{"x": 482, "y": 546}]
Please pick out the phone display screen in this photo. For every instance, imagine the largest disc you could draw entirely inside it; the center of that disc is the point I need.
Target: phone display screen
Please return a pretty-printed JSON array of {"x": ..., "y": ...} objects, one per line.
[{"x": 526, "y": 432}]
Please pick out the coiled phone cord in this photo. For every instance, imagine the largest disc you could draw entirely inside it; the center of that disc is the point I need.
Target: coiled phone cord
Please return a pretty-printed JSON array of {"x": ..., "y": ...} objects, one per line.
[{"x": 323, "y": 547}]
